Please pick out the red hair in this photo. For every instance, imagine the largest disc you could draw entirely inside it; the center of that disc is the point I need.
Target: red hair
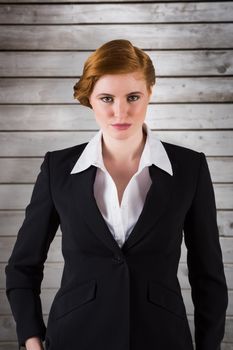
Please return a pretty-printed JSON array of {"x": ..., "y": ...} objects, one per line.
[{"x": 113, "y": 57}]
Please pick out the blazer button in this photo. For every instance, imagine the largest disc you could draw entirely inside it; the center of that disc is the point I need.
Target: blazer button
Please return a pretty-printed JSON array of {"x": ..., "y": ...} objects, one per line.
[
  {"x": 118, "y": 259},
  {"x": 47, "y": 343}
]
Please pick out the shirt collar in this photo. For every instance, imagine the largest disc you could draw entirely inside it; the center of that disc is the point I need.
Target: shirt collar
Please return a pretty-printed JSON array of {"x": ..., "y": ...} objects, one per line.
[{"x": 153, "y": 153}]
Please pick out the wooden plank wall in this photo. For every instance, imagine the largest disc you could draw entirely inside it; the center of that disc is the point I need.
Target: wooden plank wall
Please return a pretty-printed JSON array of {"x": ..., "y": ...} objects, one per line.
[{"x": 43, "y": 47}]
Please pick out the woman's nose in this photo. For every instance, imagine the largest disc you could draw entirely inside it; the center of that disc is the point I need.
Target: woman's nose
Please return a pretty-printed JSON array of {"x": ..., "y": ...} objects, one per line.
[{"x": 120, "y": 108}]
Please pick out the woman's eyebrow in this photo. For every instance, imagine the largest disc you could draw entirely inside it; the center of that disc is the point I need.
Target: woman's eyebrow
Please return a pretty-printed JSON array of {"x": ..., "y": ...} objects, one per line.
[{"x": 134, "y": 92}]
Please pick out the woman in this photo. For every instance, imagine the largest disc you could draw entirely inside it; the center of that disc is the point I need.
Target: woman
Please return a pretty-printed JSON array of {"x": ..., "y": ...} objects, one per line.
[{"x": 123, "y": 201}]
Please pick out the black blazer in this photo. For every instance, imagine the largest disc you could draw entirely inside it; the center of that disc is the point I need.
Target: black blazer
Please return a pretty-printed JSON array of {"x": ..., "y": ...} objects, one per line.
[{"x": 116, "y": 298}]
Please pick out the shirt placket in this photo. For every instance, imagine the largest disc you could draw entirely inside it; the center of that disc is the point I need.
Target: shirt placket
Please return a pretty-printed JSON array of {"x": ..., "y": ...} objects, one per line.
[{"x": 119, "y": 234}]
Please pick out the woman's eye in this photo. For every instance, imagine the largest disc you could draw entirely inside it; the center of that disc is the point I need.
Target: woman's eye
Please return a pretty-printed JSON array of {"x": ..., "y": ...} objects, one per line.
[
  {"x": 137, "y": 97},
  {"x": 132, "y": 96},
  {"x": 102, "y": 99}
]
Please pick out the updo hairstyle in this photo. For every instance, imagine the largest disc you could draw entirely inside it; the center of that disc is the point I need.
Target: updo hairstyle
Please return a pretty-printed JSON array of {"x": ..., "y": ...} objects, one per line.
[{"x": 114, "y": 57}]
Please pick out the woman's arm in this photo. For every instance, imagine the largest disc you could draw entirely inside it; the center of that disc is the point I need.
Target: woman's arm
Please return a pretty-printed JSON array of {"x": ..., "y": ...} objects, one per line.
[
  {"x": 205, "y": 264},
  {"x": 24, "y": 271}
]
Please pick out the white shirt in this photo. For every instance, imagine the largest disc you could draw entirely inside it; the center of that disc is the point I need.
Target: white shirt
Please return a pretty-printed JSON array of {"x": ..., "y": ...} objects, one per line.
[{"x": 121, "y": 219}]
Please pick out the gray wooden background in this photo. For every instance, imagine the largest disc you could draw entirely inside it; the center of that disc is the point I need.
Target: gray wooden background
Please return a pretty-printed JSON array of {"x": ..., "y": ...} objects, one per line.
[{"x": 43, "y": 48}]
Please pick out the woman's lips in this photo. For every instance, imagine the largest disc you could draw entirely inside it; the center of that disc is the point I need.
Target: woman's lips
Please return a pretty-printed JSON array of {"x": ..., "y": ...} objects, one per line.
[{"x": 121, "y": 126}]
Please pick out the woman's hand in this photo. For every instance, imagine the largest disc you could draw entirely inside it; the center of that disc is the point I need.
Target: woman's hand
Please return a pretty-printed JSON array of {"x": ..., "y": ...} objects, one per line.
[{"x": 34, "y": 343}]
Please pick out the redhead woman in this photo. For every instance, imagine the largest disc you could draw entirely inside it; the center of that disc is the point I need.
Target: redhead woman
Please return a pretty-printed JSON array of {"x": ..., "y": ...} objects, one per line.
[{"x": 124, "y": 201}]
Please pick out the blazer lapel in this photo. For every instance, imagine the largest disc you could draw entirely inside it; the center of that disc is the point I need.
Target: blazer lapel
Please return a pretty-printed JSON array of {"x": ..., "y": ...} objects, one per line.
[
  {"x": 155, "y": 204},
  {"x": 82, "y": 184}
]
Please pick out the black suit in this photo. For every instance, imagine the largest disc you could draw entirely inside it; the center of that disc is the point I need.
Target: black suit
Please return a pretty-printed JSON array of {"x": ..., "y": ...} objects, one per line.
[{"x": 127, "y": 298}]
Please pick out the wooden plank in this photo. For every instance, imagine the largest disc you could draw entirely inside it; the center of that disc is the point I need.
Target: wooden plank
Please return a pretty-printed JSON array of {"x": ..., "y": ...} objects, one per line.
[
  {"x": 36, "y": 144},
  {"x": 11, "y": 221},
  {"x": 25, "y": 170},
  {"x": 183, "y": 275},
  {"x": 55, "y": 255},
  {"x": 53, "y": 273},
  {"x": 8, "y": 328},
  {"x": 62, "y": 117},
  {"x": 89, "y": 37},
  {"x": 226, "y": 246},
  {"x": 224, "y": 195},
  {"x": 77, "y": 117},
  {"x": 70, "y": 64},
  {"x": 51, "y": 141},
  {"x": 225, "y": 223},
  {"x": 8, "y": 332},
  {"x": 124, "y": 13},
  {"x": 17, "y": 196},
  {"x": 20, "y": 170},
  {"x": 84, "y": 1},
  {"x": 9, "y": 345},
  {"x": 47, "y": 296},
  {"x": 221, "y": 169},
  {"x": 194, "y": 89}
]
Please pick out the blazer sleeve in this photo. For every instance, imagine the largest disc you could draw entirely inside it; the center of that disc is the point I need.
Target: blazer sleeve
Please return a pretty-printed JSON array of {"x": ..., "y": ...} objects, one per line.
[
  {"x": 205, "y": 264},
  {"x": 24, "y": 270}
]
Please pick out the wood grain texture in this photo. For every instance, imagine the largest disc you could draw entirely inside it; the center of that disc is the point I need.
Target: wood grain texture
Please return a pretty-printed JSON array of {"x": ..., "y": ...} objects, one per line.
[
  {"x": 12, "y": 345},
  {"x": 17, "y": 196},
  {"x": 77, "y": 117},
  {"x": 95, "y": 2},
  {"x": 36, "y": 144},
  {"x": 47, "y": 296},
  {"x": 145, "y": 36},
  {"x": 124, "y": 13},
  {"x": 53, "y": 272},
  {"x": 183, "y": 275},
  {"x": 43, "y": 46},
  {"x": 25, "y": 170},
  {"x": 11, "y": 221},
  {"x": 57, "y": 90},
  {"x": 68, "y": 64},
  {"x": 55, "y": 254}
]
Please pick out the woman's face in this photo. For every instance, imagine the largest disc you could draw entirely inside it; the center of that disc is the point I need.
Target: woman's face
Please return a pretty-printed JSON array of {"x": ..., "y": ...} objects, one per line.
[{"x": 120, "y": 99}]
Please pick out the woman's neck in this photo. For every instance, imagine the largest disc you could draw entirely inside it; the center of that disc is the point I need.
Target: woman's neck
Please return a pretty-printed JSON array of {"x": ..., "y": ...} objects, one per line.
[{"x": 123, "y": 151}]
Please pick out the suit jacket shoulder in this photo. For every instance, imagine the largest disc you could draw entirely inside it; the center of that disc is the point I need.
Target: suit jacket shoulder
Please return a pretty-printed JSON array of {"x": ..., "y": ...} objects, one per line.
[
  {"x": 180, "y": 152},
  {"x": 182, "y": 158},
  {"x": 65, "y": 159}
]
